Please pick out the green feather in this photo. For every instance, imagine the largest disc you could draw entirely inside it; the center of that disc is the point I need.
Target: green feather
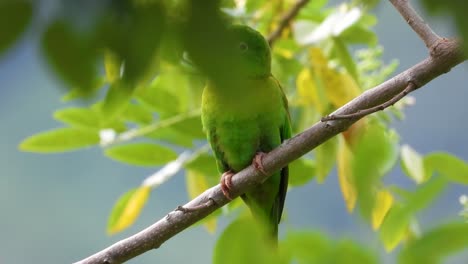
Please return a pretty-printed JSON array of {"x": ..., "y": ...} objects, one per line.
[{"x": 248, "y": 117}]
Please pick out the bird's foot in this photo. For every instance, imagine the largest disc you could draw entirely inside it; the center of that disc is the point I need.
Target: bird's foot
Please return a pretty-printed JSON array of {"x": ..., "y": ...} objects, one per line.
[
  {"x": 226, "y": 183},
  {"x": 258, "y": 162}
]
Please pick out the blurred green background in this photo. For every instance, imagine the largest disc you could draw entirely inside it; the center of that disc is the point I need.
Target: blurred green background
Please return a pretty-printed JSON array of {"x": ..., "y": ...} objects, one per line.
[{"x": 54, "y": 208}]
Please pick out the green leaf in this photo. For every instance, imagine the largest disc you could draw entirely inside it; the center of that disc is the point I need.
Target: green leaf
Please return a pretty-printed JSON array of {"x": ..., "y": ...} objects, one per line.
[
  {"x": 137, "y": 113},
  {"x": 348, "y": 252},
  {"x": 325, "y": 155},
  {"x": 448, "y": 166},
  {"x": 345, "y": 58},
  {"x": 167, "y": 94},
  {"x": 116, "y": 101},
  {"x": 244, "y": 241},
  {"x": 191, "y": 126},
  {"x": 15, "y": 16},
  {"x": 204, "y": 164},
  {"x": 60, "y": 140},
  {"x": 396, "y": 223},
  {"x": 440, "y": 242},
  {"x": 71, "y": 55},
  {"x": 298, "y": 244},
  {"x": 143, "y": 154},
  {"x": 359, "y": 35},
  {"x": 170, "y": 135},
  {"x": 375, "y": 154},
  {"x": 127, "y": 209},
  {"x": 78, "y": 117},
  {"x": 412, "y": 164},
  {"x": 301, "y": 171},
  {"x": 133, "y": 37}
]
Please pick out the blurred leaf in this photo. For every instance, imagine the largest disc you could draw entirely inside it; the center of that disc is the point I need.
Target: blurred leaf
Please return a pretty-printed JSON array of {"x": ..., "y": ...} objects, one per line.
[
  {"x": 345, "y": 176},
  {"x": 133, "y": 35},
  {"x": 116, "y": 101},
  {"x": 127, "y": 209},
  {"x": 383, "y": 203},
  {"x": 374, "y": 154},
  {"x": 71, "y": 55},
  {"x": 340, "y": 87},
  {"x": 301, "y": 171},
  {"x": 15, "y": 16},
  {"x": 112, "y": 65},
  {"x": 412, "y": 164},
  {"x": 191, "y": 126},
  {"x": 78, "y": 117},
  {"x": 359, "y": 35},
  {"x": 345, "y": 58},
  {"x": 304, "y": 247},
  {"x": 173, "y": 136},
  {"x": 137, "y": 113},
  {"x": 197, "y": 183},
  {"x": 77, "y": 92},
  {"x": 143, "y": 154},
  {"x": 60, "y": 140},
  {"x": 204, "y": 164},
  {"x": 395, "y": 225},
  {"x": 348, "y": 252},
  {"x": 436, "y": 244},
  {"x": 325, "y": 156},
  {"x": 310, "y": 92},
  {"x": 244, "y": 241},
  {"x": 167, "y": 94},
  {"x": 448, "y": 166},
  {"x": 456, "y": 11}
]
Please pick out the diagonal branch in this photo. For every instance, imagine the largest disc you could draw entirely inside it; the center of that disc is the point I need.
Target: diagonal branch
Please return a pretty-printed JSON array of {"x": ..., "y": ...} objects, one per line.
[
  {"x": 285, "y": 20},
  {"x": 445, "y": 54}
]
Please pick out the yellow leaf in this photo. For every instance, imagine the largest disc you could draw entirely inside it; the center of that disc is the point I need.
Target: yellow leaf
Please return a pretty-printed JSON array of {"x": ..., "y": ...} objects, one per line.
[
  {"x": 285, "y": 53},
  {"x": 307, "y": 90},
  {"x": 383, "y": 203},
  {"x": 197, "y": 184},
  {"x": 130, "y": 210},
  {"x": 338, "y": 87},
  {"x": 112, "y": 66},
  {"x": 345, "y": 176}
]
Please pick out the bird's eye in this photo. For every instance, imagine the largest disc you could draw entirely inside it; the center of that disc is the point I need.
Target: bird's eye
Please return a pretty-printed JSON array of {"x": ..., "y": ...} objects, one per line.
[{"x": 243, "y": 46}]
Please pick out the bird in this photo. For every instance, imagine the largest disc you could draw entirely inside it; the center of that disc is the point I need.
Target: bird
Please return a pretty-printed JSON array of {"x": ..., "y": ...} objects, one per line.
[{"x": 246, "y": 117}]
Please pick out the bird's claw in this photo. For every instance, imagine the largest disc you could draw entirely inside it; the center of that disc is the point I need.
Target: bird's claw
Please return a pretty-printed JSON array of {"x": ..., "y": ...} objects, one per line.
[
  {"x": 258, "y": 162},
  {"x": 226, "y": 183}
]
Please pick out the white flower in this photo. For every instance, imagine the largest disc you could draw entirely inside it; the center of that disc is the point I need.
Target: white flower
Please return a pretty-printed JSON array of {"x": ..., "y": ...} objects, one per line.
[{"x": 463, "y": 200}]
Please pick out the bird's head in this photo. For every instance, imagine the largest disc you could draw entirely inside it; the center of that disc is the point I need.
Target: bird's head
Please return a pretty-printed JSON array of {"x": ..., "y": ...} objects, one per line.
[{"x": 251, "y": 52}]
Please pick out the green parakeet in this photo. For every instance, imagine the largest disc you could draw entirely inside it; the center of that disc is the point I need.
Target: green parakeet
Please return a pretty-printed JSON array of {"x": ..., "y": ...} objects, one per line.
[{"x": 246, "y": 117}]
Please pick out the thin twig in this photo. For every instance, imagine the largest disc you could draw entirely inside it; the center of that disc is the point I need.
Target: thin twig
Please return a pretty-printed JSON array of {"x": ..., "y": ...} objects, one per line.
[
  {"x": 285, "y": 20},
  {"x": 209, "y": 203},
  {"x": 415, "y": 21},
  {"x": 361, "y": 113}
]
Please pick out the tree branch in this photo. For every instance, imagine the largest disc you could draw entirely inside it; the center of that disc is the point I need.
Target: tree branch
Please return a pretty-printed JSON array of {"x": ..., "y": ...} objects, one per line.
[
  {"x": 445, "y": 54},
  {"x": 429, "y": 37},
  {"x": 285, "y": 20}
]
